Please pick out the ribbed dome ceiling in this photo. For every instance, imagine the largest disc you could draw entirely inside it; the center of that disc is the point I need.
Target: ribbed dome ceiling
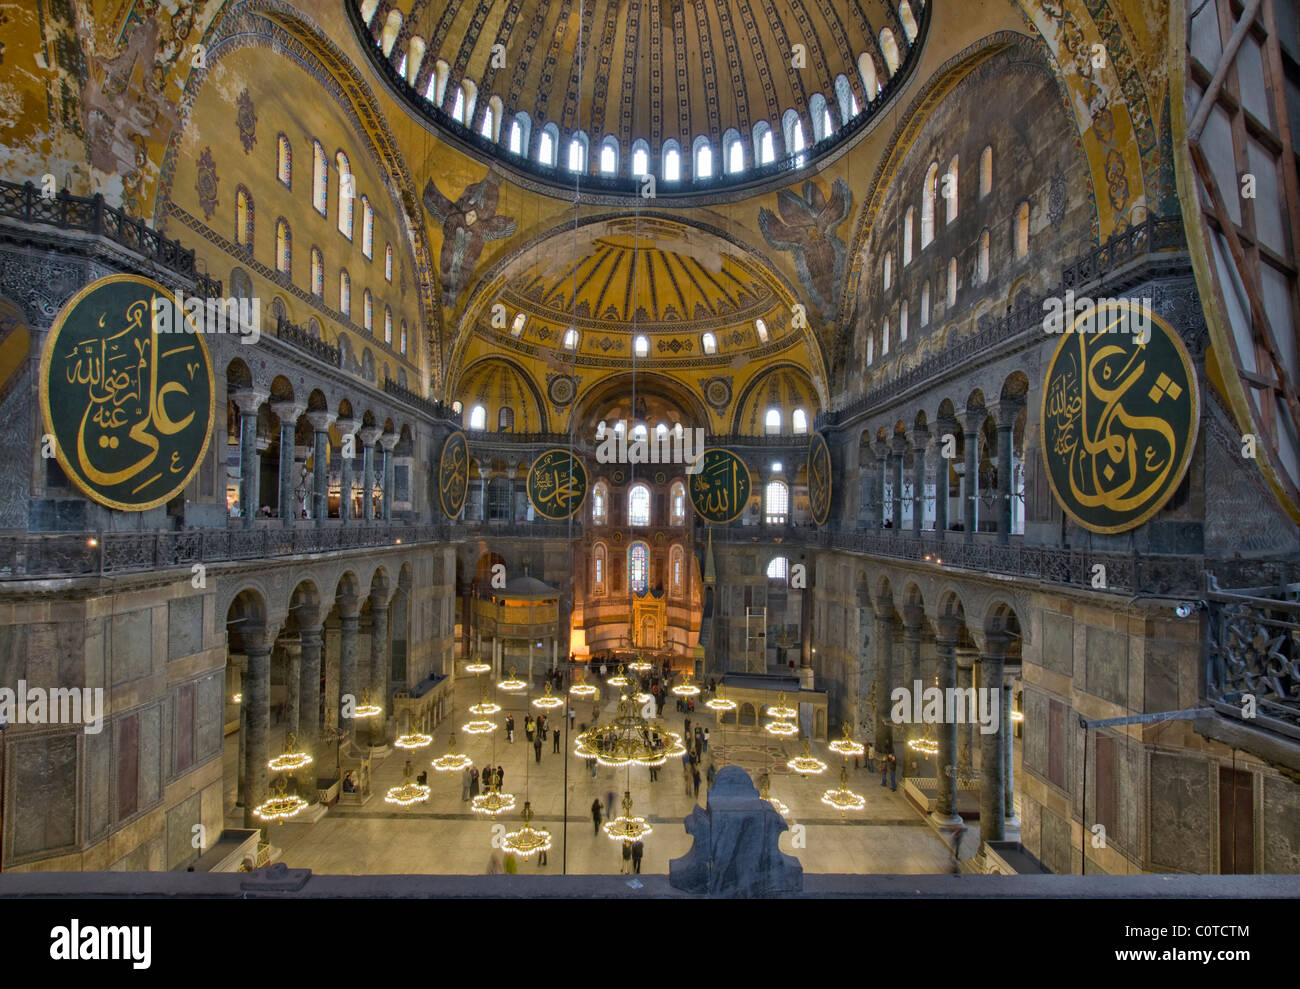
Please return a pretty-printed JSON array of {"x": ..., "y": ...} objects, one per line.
[{"x": 657, "y": 70}]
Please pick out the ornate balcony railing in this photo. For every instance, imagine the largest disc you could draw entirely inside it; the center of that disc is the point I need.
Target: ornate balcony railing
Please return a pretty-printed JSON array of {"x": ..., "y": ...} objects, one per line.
[
  {"x": 92, "y": 215},
  {"x": 1253, "y": 661},
  {"x": 293, "y": 334}
]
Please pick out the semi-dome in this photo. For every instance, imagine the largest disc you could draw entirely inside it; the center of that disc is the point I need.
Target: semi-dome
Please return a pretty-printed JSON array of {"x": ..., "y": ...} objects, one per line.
[{"x": 697, "y": 93}]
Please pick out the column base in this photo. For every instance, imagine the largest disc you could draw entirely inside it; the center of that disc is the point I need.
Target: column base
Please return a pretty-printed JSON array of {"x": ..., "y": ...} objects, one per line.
[{"x": 945, "y": 820}]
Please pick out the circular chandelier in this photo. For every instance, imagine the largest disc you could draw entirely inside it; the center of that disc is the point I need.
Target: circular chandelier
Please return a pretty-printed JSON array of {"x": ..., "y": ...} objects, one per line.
[
  {"x": 781, "y": 808},
  {"x": 1017, "y": 716},
  {"x": 484, "y": 707},
  {"x": 493, "y": 802},
  {"x": 365, "y": 709},
  {"x": 926, "y": 745},
  {"x": 844, "y": 799},
  {"x": 453, "y": 761},
  {"x": 413, "y": 740},
  {"x": 686, "y": 687},
  {"x": 290, "y": 761},
  {"x": 784, "y": 729},
  {"x": 476, "y": 665},
  {"x": 280, "y": 806},
  {"x": 527, "y": 840},
  {"x": 548, "y": 699},
  {"x": 807, "y": 764},
  {"x": 719, "y": 702},
  {"x": 512, "y": 683},
  {"x": 480, "y": 726},
  {"x": 619, "y": 679},
  {"x": 582, "y": 688},
  {"x": 408, "y": 793},
  {"x": 640, "y": 665},
  {"x": 629, "y": 739},
  {"x": 780, "y": 710},
  {"x": 625, "y": 827},
  {"x": 965, "y": 775},
  {"x": 846, "y": 746}
]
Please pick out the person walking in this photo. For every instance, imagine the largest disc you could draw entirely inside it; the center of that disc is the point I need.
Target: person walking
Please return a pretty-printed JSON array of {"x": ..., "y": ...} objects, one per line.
[
  {"x": 595, "y": 816},
  {"x": 512, "y": 866},
  {"x": 686, "y": 775},
  {"x": 510, "y": 728},
  {"x": 884, "y": 768},
  {"x": 893, "y": 770},
  {"x": 473, "y": 782},
  {"x": 638, "y": 849},
  {"x": 555, "y": 737},
  {"x": 712, "y": 774},
  {"x": 537, "y": 747},
  {"x": 627, "y": 858},
  {"x": 609, "y": 804},
  {"x": 501, "y": 776},
  {"x": 706, "y": 740},
  {"x": 871, "y": 758},
  {"x": 464, "y": 785},
  {"x": 528, "y": 727},
  {"x": 572, "y": 715},
  {"x": 695, "y": 779}
]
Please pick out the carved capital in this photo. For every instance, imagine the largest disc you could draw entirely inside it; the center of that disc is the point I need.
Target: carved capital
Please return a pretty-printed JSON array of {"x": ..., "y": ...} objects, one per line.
[{"x": 248, "y": 400}]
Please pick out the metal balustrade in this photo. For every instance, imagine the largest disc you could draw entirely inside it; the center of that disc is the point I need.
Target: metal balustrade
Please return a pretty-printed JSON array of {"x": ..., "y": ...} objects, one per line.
[{"x": 1252, "y": 670}]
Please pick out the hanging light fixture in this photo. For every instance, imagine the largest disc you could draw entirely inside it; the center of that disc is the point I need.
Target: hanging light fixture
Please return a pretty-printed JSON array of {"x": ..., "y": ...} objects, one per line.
[
  {"x": 686, "y": 687},
  {"x": 582, "y": 688},
  {"x": 640, "y": 665},
  {"x": 719, "y": 701},
  {"x": 366, "y": 709},
  {"x": 527, "y": 840},
  {"x": 413, "y": 740},
  {"x": 290, "y": 760},
  {"x": 280, "y": 806},
  {"x": 625, "y": 827},
  {"x": 807, "y": 764},
  {"x": 408, "y": 793},
  {"x": 493, "y": 802},
  {"x": 927, "y": 744},
  {"x": 619, "y": 679},
  {"x": 782, "y": 729},
  {"x": 780, "y": 710},
  {"x": 512, "y": 683},
  {"x": 484, "y": 707},
  {"x": 763, "y": 784},
  {"x": 629, "y": 739},
  {"x": 453, "y": 761},
  {"x": 476, "y": 665},
  {"x": 548, "y": 699},
  {"x": 846, "y": 746},
  {"x": 843, "y": 799},
  {"x": 479, "y": 726}
]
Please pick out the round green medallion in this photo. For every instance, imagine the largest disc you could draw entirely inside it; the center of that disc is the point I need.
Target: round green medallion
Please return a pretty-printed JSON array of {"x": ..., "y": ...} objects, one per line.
[
  {"x": 557, "y": 484},
  {"x": 720, "y": 491}
]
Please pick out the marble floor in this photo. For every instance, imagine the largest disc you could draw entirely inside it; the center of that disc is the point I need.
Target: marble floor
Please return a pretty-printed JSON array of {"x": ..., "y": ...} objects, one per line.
[{"x": 442, "y": 836}]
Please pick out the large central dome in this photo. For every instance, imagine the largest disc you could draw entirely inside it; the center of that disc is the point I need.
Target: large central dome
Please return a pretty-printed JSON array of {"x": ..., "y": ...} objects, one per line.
[{"x": 691, "y": 91}]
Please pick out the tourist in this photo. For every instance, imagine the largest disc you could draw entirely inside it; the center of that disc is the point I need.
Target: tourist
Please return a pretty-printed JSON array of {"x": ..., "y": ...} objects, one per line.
[
  {"x": 609, "y": 804},
  {"x": 871, "y": 762},
  {"x": 464, "y": 785},
  {"x": 510, "y": 728},
  {"x": 528, "y": 727},
  {"x": 695, "y": 780},
  {"x": 486, "y": 778},
  {"x": 591, "y": 763},
  {"x": 884, "y": 770},
  {"x": 687, "y": 731},
  {"x": 349, "y": 784},
  {"x": 602, "y": 669},
  {"x": 423, "y": 778},
  {"x": 512, "y": 866},
  {"x": 495, "y": 865},
  {"x": 571, "y": 717},
  {"x": 473, "y": 782},
  {"x": 627, "y": 858},
  {"x": 555, "y": 737},
  {"x": 638, "y": 848},
  {"x": 893, "y": 770},
  {"x": 712, "y": 774},
  {"x": 541, "y": 858},
  {"x": 595, "y": 814},
  {"x": 537, "y": 747},
  {"x": 706, "y": 740},
  {"x": 501, "y": 776},
  {"x": 686, "y": 775}
]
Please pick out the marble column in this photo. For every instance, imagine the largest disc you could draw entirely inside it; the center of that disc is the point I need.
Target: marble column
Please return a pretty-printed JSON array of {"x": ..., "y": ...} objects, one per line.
[
  {"x": 309, "y": 734},
  {"x": 240, "y": 662},
  {"x": 1005, "y": 415},
  {"x": 884, "y": 679},
  {"x": 882, "y": 478},
  {"x": 1008, "y": 748},
  {"x": 348, "y": 687},
  {"x": 993, "y": 821},
  {"x": 966, "y": 658},
  {"x": 920, "y": 440},
  {"x": 388, "y": 441},
  {"x": 369, "y": 434},
  {"x": 292, "y": 682},
  {"x": 912, "y": 618},
  {"x": 900, "y": 455},
  {"x": 346, "y": 428},
  {"x": 483, "y": 493},
  {"x": 288, "y": 413},
  {"x": 945, "y": 810},
  {"x": 379, "y": 667},
  {"x": 942, "y": 469},
  {"x": 972, "y": 423},
  {"x": 320, "y": 424},
  {"x": 250, "y": 462},
  {"x": 257, "y": 705}
]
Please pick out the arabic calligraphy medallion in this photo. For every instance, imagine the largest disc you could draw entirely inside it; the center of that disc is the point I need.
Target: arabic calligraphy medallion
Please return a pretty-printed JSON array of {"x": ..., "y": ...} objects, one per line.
[
  {"x": 557, "y": 484},
  {"x": 819, "y": 479},
  {"x": 1119, "y": 418},
  {"x": 131, "y": 409},
  {"x": 720, "y": 491},
  {"x": 453, "y": 474}
]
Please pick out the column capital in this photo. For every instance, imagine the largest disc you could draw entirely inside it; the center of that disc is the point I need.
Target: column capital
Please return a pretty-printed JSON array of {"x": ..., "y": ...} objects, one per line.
[
  {"x": 1006, "y": 411},
  {"x": 947, "y": 627},
  {"x": 369, "y": 434},
  {"x": 346, "y": 427},
  {"x": 972, "y": 420},
  {"x": 389, "y": 440},
  {"x": 320, "y": 421},
  {"x": 920, "y": 439},
  {"x": 913, "y": 616},
  {"x": 378, "y": 601},
  {"x": 249, "y": 400},
  {"x": 882, "y": 449},
  {"x": 883, "y": 608},
  {"x": 966, "y": 657},
  {"x": 995, "y": 646},
  {"x": 288, "y": 411},
  {"x": 900, "y": 444}
]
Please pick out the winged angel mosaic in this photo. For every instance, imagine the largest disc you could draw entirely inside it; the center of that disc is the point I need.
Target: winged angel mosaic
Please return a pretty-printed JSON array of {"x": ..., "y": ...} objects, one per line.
[
  {"x": 806, "y": 228},
  {"x": 467, "y": 224}
]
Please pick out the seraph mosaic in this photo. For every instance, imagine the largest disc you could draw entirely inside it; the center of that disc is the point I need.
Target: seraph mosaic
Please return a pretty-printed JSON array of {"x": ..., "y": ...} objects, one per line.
[{"x": 467, "y": 224}]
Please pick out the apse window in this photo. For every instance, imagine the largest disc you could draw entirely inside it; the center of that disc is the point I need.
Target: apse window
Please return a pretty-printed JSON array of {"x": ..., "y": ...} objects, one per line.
[
  {"x": 710, "y": 343},
  {"x": 243, "y": 218},
  {"x": 638, "y": 505},
  {"x": 640, "y": 159},
  {"x": 319, "y": 179},
  {"x": 345, "y": 293},
  {"x": 776, "y": 503},
  {"x": 368, "y": 311},
  {"x": 638, "y": 566},
  {"x": 489, "y": 123},
  {"x": 889, "y": 271},
  {"x": 950, "y": 191},
  {"x": 925, "y": 304},
  {"x": 458, "y": 108},
  {"x": 388, "y": 263},
  {"x": 902, "y": 322},
  {"x": 403, "y": 340},
  {"x": 986, "y": 171},
  {"x": 388, "y": 326},
  {"x": 760, "y": 328},
  {"x": 799, "y": 421},
  {"x": 735, "y": 156},
  {"x": 983, "y": 262},
  {"x": 766, "y": 147},
  {"x": 677, "y": 499},
  {"x": 952, "y": 281},
  {"x": 778, "y": 569},
  {"x": 546, "y": 149},
  {"x": 347, "y": 193},
  {"x": 570, "y": 339},
  {"x": 608, "y": 158},
  {"x": 283, "y": 247},
  {"x": 478, "y": 418},
  {"x": 772, "y": 422},
  {"x": 598, "y": 568},
  {"x": 908, "y": 218},
  {"x": 642, "y": 346},
  {"x": 367, "y": 228},
  {"x": 505, "y": 419},
  {"x": 517, "y": 327},
  {"x": 284, "y": 161},
  {"x": 704, "y": 162},
  {"x": 598, "y": 499},
  {"x": 1022, "y": 230},
  {"x": 577, "y": 155},
  {"x": 317, "y": 273},
  {"x": 639, "y": 432},
  {"x": 516, "y": 138}
]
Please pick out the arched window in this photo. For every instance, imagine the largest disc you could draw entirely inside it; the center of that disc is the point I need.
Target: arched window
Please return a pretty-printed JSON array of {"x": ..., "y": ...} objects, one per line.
[
  {"x": 402, "y": 346},
  {"x": 609, "y": 155},
  {"x": 1022, "y": 229},
  {"x": 401, "y": 66},
  {"x": 471, "y": 99},
  {"x": 889, "y": 271},
  {"x": 772, "y": 422},
  {"x": 820, "y": 117},
  {"x": 517, "y": 327},
  {"x": 764, "y": 143},
  {"x": 570, "y": 339},
  {"x": 638, "y": 505},
  {"x": 436, "y": 90},
  {"x": 367, "y": 311},
  {"x": 489, "y": 125},
  {"x": 598, "y": 563},
  {"x": 388, "y": 263},
  {"x": 983, "y": 274},
  {"x": 760, "y": 328},
  {"x": 909, "y": 21},
  {"x": 458, "y": 107},
  {"x": 578, "y": 152},
  {"x": 871, "y": 349},
  {"x": 710, "y": 343},
  {"x": 670, "y": 158},
  {"x": 388, "y": 325},
  {"x": 676, "y": 568},
  {"x": 243, "y": 218},
  {"x": 284, "y": 161},
  {"x": 950, "y": 188},
  {"x": 986, "y": 171},
  {"x": 547, "y": 147},
  {"x": 733, "y": 152},
  {"x": 367, "y": 228},
  {"x": 317, "y": 273},
  {"x": 792, "y": 128},
  {"x": 641, "y": 346},
  {"x": 902, "y": 321},
  {"x": 844, "y": 96},
  {"x": 928, "y": 194},
  {"x": 345, "y": 293},
  {"x": 908, "y": 218},
  {"x": 677, "y": 503},
  {"x": 925, "y": 304},
  {"x": 347, "y": 192},
  {"x": 320, "y": 179},
  {"x": 505, "y": 419},
  {"x": 702, "y": 153},
  {"x": 952, "y": 281},
  {"x": 478, "y": 418},
  {"x": 521, "y": 129},
  {"x": 639, "y": 432},
  {"x": 415, "y": 50},
  {"x": 776, "y": 503},
  {"x": 283, "y": 247},
  {"x": 884, "y": 339},
  {"x": 867, "y": 70},
  {"x": 779, "y": 569},
  {"x": 638, "y": 567},
  {"x": 389, "y": 35},
  {"x": 799, "y": 421},
  {"x": 640, "y": 158},
  {"x": 889, "y": 48},
  {"x": 599, "y": 498},
  {"x": 241, "y": 286}
]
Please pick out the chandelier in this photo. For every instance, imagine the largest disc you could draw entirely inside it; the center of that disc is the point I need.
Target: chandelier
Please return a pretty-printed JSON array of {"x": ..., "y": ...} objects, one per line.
[
  {"x": 476, "y": 665},
  {"x": 619, "y": 679},
  {"x": 640, "y": 665},
  {"x": 511, "y": 683},
  {"x": 926, "y": 745},
  {"x": 844, "y": 799},
  {"x": 719, "y": 701},
  {"x": 548, "y": 699},
  {"x": 453, "y": 761},
  {"x": 1017, "y": 716},
  {"x": 365, "y": 709},
  {"x": 784, "y": 729},
  {"x": 413, "y": 740},
  {"x": 625, "y": 827},
  {"x": 408, "y": 793},
  {"x": 780, "y": 710},
  {"x": 480, "y": 726},
  {"x": 629, "y": 739},
  {"x": 280, "y": 807},
  {"x": 781, "y": 808},
  {"x": 806, "y": 764},
  {"x": 846, "y": 746},
  {"x": 686, "y": 687},
  {"x": 527, "y": 840},
  {"x": 290, "y": 761},
  {"x": 965, "y": 774},
  {"x": 582, "y": 688},
  {"x": 493, "y": 802}
]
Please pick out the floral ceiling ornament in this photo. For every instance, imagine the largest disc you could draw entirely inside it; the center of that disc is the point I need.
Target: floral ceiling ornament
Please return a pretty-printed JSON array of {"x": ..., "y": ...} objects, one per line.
[
  {"x": 205, "y": 184},
  {"x": 246, "y": 120},
  {"x": 806, "y": 228},
  {"x": 467, "y": 224}
]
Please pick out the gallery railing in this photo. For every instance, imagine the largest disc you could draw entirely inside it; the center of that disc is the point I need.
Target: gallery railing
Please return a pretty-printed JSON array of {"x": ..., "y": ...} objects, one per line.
[
  {"x": 92, "y": 215},
  {"x": 293, "y": 334}
]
